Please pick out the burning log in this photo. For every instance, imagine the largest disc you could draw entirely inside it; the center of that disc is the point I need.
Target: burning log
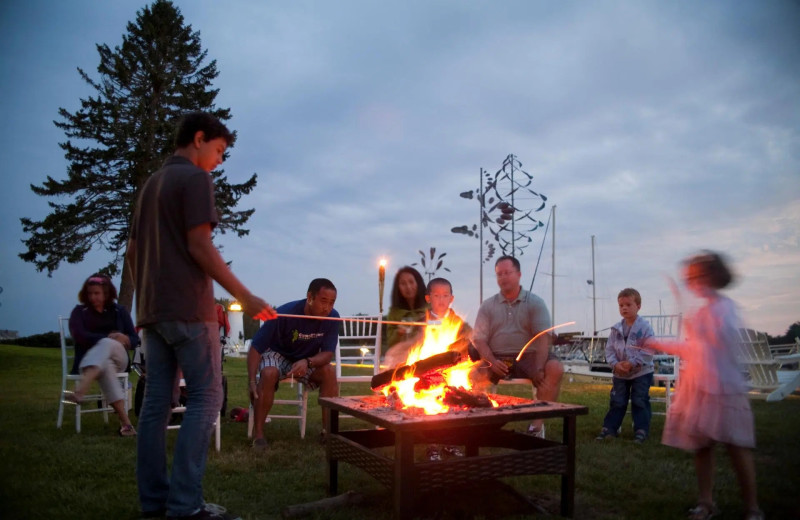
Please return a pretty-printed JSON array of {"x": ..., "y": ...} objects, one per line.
[
  {"x": 418, "y": 369},
  {"x": 461, "y": 398},
  {"x": 429, "y": 380}
]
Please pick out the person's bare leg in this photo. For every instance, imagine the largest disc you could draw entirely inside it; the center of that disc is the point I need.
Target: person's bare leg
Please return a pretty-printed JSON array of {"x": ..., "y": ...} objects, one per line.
[
  {"x": 549, "y": 388},
  {"x": 742, "y": 459},
  {"x": 122, "y": 413},
  {"x": 266, "y": 397},
  {"x": 704, "y": 466},
  {"x": 88, "y": 376},
  {"x": 325, "y": 377}
]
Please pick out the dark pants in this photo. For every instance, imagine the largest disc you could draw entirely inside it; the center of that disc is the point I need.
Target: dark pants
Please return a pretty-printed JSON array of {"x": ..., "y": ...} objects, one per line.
[
  {"x": 638, "y": 391},
  {"x": 525, "y": 368}
]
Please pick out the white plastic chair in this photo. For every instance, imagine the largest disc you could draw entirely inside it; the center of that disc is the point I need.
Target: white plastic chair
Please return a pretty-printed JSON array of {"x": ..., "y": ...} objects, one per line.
[
  {"x": 217, "y": 432},
  {"x": 517, "y": 381},
  {"x": 67, "y": 356},
  {"x": 359, "y": 345},
  {"x": 765, "y": 376},
  {"x": 301, "y": 403},
  {"x": 139, "y": 358}
]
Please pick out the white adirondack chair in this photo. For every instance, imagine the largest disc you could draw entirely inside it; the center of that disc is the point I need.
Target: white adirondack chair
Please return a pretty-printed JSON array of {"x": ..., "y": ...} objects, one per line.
[{"x": 765, "y": 378}]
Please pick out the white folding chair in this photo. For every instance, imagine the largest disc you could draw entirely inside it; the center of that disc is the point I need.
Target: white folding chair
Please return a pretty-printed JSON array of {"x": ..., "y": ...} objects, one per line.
[
  {"x": 670, "y": 382},
  {"x": 140, "y": 366},
  {"x": 67, "y": 356},
  {"x": 765, "y": 376},
  {"x": 301, "y": 403},
  {"x": 359, "y": 346},
  {"x": 517, "y": 381},
  {"x": 182, "y": 409}
]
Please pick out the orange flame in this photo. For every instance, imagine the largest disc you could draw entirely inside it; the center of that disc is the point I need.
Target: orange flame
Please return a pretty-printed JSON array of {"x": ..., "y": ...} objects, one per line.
[{"x": 429, "y": 397}]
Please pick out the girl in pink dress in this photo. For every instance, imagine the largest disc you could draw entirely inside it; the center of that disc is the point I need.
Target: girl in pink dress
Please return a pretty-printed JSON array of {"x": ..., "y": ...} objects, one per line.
[{"x": 712, "y": 405}]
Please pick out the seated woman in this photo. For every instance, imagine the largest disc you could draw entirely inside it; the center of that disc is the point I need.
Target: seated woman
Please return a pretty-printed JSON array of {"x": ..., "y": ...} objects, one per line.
[
  {"x": 103, "y": 333},
  {"x": 408, "y": 304}
]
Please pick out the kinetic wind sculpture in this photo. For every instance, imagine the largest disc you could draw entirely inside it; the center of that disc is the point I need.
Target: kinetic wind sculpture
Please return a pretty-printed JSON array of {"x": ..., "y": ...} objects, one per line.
[
  {"x": 507, "y": 211},
  {"x": 431, "y": 265}
]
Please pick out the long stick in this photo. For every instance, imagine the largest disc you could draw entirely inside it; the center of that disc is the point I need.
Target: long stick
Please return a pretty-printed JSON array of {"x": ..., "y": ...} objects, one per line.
[
  {"x": 545, "y": 331},
  {"x": 356, "y": 318}
]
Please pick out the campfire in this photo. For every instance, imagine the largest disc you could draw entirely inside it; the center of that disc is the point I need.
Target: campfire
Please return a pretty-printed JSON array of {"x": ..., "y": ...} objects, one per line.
[{"x": 435, "y": 377}]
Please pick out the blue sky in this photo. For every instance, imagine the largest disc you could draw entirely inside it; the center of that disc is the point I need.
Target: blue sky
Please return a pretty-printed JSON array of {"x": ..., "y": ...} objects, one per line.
[{"x": 659, "y": 127}]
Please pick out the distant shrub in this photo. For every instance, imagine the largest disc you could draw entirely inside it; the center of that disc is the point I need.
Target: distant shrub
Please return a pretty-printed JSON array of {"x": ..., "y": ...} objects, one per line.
[{"x": 46, "y": 340}]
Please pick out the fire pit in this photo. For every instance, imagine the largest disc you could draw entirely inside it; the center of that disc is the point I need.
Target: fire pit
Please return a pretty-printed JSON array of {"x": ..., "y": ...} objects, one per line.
[{"x": 474, "y": 428}]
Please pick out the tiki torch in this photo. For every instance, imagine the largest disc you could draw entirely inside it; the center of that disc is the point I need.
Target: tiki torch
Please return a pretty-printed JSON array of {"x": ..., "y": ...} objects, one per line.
[{"x": 381, "y": 279}]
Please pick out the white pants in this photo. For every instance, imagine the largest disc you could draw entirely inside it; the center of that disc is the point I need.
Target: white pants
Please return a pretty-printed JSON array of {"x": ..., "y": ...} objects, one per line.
[{"x": 110, "y": 357}]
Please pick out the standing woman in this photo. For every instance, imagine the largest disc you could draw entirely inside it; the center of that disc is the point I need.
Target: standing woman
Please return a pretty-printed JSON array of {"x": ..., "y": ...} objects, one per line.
[
  {"x": 103, "y": 333},
  {"x": 712, "y": 405},
  {"x": 408, "y": 304}
]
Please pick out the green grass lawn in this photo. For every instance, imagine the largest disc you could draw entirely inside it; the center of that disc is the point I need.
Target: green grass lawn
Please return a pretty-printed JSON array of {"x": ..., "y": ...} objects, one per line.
[{"x": 50, "y": 473}]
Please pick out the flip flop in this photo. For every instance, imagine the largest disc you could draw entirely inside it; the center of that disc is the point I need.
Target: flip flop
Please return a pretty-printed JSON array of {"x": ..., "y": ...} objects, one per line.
[{"x": 127, "y": 431}]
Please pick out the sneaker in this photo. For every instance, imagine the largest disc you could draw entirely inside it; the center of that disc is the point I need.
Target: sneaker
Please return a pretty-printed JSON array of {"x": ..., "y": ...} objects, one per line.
[
  {"x": 127, "y": 431},
  {"x": 433, "y": 453},
  {"x": 453, "y": 451},
  {"x": 703, "y": 511},
  {"x": 754, "y": 514},
  {"x": 605, "y": 432},
  {"x": 260, "y": 444},
  {"x": 208, "y": 512},
  {"x": 158, "y": 513},
  {"x": 536, "y": 432},
  {"x": 639, "y": 437}
]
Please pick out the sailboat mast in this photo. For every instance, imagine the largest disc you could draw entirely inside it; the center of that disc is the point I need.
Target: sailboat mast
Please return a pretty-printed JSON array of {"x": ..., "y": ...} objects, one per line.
[
  {"x": 594, "y": 296},
  {"x": 553, "y": 276}
]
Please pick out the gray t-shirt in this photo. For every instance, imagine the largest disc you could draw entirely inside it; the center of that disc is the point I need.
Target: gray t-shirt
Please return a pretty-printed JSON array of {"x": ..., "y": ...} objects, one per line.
[
  {"x": 170, "y": 285},
  {"x": 508, "y": 325}
]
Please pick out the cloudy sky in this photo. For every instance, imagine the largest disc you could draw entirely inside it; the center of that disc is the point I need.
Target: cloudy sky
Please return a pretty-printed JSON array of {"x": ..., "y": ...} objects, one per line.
[{"x": 658, "y": 127}]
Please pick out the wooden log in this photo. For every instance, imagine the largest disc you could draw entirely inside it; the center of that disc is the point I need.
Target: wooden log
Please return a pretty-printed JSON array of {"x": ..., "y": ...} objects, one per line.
[
  {"x": 461, "y": 398},
  {"x": 421, "y": 367},
  {"x": 351, "y": 497}
]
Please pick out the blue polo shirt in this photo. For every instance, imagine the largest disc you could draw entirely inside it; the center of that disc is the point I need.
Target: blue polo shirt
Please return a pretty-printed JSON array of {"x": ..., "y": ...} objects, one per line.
[{"x": 297, "y": 338}]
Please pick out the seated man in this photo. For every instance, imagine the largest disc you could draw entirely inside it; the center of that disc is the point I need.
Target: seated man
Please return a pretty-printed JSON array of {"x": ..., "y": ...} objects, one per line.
[
  {"x": 301, "y": 348},
  {"x": 505, "y": 323}
]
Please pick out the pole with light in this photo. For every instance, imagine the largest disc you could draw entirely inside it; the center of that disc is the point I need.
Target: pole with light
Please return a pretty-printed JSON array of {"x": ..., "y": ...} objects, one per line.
[{"x": 381, "y": 280}]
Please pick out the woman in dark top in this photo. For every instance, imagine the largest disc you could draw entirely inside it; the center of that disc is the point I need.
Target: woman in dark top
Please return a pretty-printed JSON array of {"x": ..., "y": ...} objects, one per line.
[
  {"x": 408, "y": 304},
  {"x": 103, "y": 332}
]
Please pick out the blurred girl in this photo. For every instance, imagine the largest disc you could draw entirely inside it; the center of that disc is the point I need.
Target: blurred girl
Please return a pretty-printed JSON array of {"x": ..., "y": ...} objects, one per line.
[
  {"x": 103, "y": 333},
  {"x": 712, "y": 404}
]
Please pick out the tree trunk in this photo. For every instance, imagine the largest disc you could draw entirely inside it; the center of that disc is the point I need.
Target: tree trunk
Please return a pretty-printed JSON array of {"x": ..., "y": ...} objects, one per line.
[{"x": 126, "y": 287}]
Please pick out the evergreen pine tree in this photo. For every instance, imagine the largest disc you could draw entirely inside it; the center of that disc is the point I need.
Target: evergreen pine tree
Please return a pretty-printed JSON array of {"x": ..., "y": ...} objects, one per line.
[{"x": 120, "y": 136}]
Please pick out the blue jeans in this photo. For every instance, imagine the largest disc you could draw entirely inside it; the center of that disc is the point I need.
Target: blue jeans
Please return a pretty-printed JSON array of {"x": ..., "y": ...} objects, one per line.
[
  {"x": 195, "y": 349},
  {"x": 638, "y": 391}
]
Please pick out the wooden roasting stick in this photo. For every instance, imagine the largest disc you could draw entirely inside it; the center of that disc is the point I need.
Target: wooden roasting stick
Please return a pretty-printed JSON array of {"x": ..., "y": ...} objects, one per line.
[
  {"x": 351, "y": 497},
  {"x": 356, "y": 318}
]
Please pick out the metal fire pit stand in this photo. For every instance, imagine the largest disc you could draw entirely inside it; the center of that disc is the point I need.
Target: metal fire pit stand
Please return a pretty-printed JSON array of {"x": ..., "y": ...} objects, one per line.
[{"x": 474, "y": 429}]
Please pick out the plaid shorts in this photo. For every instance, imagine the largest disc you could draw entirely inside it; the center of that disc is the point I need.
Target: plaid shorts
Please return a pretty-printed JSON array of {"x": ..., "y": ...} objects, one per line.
[{"x": 270, "y": 358}]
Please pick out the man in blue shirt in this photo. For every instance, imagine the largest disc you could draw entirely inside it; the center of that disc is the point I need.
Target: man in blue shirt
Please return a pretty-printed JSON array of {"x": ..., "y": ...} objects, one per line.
[{"x": 301, "y": 348}]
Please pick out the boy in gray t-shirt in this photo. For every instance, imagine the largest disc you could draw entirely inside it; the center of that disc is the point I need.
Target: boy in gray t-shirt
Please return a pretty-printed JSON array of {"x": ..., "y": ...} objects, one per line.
[{"x": 173, "y": 262}]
